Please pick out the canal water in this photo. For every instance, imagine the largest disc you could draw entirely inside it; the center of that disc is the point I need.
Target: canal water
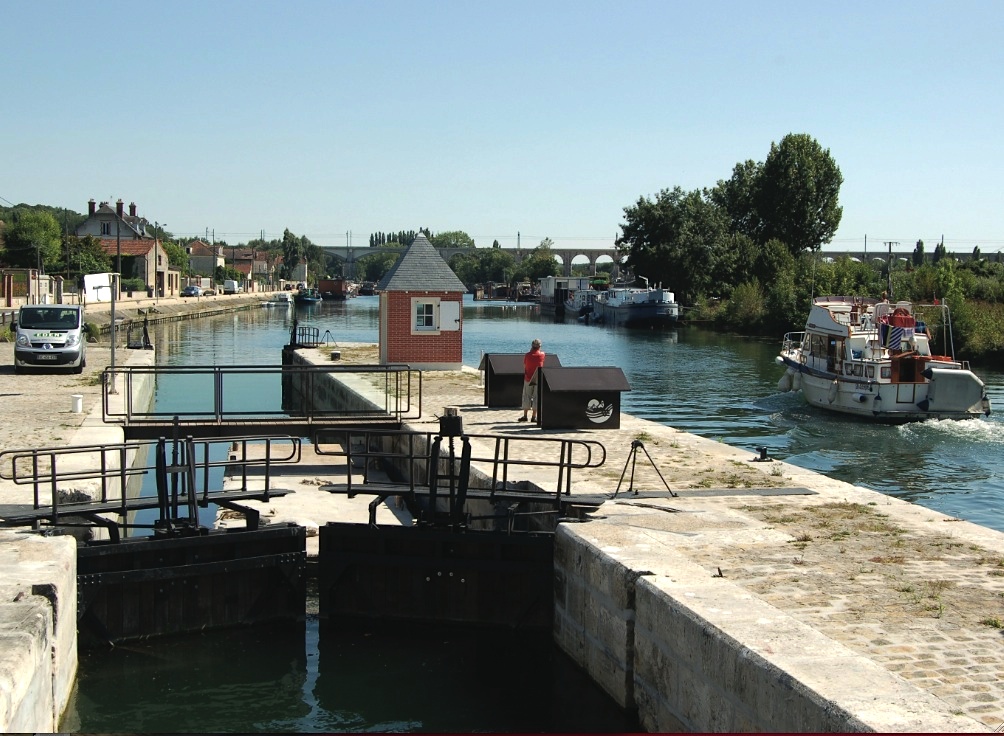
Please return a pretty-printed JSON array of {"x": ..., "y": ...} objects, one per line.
[{"x": 308, "y": 680}]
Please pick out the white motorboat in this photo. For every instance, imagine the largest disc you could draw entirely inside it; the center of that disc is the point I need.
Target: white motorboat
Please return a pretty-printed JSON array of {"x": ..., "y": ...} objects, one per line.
[
  {"x": 876, "y": 359},
  {"x": 633, "y": 307}
]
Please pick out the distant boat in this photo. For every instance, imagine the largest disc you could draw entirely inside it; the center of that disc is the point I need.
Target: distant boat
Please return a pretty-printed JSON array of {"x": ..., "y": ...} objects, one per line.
[
  {"x": 367, "y": 288},
  {"x": 282, "y": 299},
  {"x": 580, "y": 303},
  {"x": 307, "y": 296},
  {"x": 634, "y": 307}
]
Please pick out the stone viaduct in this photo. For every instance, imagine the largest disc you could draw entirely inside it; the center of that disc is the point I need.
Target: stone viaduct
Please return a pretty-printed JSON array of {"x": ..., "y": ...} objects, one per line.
[{"x": 349, "y": 255}]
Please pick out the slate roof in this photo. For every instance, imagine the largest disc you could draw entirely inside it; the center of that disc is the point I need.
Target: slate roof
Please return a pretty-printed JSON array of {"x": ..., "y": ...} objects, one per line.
[{"x": 421, "y": 268}]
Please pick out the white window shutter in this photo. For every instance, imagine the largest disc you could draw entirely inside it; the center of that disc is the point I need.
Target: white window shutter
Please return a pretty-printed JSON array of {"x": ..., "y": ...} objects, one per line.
[{"x": 449, "y": 316}]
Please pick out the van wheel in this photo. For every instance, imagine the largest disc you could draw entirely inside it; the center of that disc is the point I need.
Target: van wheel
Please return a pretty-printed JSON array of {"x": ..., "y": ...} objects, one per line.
[{"x": 79, "y": 368}]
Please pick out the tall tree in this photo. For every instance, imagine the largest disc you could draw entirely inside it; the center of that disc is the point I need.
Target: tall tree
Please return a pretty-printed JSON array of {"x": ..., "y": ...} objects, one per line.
[
  {"x": 798, "y": 194},
  {"x": 676, "y": 239},
  {"x": 291, "y": 253}
]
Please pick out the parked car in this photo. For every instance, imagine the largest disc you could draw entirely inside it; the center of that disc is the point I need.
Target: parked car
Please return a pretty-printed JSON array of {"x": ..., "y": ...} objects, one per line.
[
  {"x": 209, "y": 292},
  {"x": 287, "y": 287},
  {"x": 192, "y": 291}
]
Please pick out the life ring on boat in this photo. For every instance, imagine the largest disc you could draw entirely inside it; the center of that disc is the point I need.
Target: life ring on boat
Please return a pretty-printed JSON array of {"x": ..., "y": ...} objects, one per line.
[{"x": 832, "y": 395}]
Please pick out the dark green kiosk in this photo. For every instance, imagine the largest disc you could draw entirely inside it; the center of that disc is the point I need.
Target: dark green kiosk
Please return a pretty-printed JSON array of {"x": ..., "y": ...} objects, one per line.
[
  {"x": 581, "y": 397},
  {"x": 504, "y": 377}
]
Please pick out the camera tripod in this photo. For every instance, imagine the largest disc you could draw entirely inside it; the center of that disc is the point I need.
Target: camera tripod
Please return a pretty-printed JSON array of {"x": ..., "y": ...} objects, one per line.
[{"x": 632, "y": 459}]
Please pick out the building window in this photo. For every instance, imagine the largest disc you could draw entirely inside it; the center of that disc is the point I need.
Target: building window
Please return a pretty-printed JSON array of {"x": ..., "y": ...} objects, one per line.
[
  {"x": 425, "y": 316},
  {"x": 106, "y": 228}
]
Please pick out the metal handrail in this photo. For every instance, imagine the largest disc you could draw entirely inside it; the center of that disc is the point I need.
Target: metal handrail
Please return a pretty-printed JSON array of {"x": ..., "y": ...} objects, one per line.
[
  {"x": 398, "y": 388},
  {"x": 414, "y": 461},
  {"x": 113, "y": 464}
]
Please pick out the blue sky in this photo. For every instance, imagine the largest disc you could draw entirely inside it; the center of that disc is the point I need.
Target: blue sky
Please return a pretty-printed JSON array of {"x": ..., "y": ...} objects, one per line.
[{"x": 542, "y": 118}]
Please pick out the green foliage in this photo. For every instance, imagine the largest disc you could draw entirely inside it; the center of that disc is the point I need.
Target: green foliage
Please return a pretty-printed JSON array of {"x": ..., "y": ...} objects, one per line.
[
  {"x": 679, "y": 239},
  {"x": 481, "y": 265},
  {"x": 979, "y": 329},
  {"x": 292, "y": 253},
  {"x": 375, "y": 267},
  {"x": 85, "y": 255},
  {"x": 747, "y": 306},
  {"x": 538, "y": 264},
  {"x": 133, "y": 285},
  {"x": 32, "y": 238},
  {"x": 401, "y": 237},
  {"x": 452, "y": 239},
  {"x": 176, "y": 256},
  {"x": 798, "y": 193}
]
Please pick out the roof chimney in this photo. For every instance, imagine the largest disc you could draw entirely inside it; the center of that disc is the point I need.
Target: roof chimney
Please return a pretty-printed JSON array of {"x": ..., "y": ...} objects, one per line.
[
  {"x": 132, "y": 209},
  {"x": 90, "y": 207},
  {"x": 118, "y": 207}
]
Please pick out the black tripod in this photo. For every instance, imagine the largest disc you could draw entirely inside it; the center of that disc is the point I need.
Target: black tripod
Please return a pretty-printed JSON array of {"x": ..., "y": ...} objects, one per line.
[{"x": 632, "y": 459}]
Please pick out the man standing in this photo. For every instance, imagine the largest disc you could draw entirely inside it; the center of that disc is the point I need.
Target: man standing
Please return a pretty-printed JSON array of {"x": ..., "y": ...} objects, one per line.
[{"x": 532, "y": 361}]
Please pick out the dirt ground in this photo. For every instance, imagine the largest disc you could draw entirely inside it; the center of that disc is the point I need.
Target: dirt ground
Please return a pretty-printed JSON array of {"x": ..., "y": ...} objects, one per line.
[{"x": 36, "y": 408}]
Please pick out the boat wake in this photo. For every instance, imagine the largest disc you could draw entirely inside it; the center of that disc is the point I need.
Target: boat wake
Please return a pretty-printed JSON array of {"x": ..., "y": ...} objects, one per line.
[{"x": 979, "y": 431}]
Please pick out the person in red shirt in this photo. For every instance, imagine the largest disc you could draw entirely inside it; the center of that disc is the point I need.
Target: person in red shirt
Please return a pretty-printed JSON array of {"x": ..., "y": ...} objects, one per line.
[{"x": 532, "y": 360}]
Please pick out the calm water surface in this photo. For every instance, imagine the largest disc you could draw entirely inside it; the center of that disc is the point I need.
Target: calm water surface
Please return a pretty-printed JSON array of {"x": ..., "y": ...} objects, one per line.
[{"x": 309, "y": 680}]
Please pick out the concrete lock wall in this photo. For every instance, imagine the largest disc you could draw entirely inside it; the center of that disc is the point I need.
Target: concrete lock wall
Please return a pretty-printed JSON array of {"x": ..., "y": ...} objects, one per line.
[
  {"x": 688, "y": 651},
  {"x": 38, "y": 625}
]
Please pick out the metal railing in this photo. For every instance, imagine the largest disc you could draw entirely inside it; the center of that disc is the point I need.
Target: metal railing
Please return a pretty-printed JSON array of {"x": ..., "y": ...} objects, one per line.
[
  {"x": 416, "y": 461},
  {"x": 216, "y": 394},
  {"x": 182, "y": 471}
]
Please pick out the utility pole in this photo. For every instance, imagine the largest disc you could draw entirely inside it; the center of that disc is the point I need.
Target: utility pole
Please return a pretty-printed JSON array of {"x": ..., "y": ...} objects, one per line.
[{"x": 888, "y": 269}]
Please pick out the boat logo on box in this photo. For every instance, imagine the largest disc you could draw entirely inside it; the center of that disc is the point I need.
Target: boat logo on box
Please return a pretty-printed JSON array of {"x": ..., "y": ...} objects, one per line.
[{"x": 598, "y": 411}]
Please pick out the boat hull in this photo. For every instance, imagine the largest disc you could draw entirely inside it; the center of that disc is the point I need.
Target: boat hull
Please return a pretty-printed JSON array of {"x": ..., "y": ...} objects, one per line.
[
  {"x": 951, "y": 394},
  {"x": 637, "y": 315}
]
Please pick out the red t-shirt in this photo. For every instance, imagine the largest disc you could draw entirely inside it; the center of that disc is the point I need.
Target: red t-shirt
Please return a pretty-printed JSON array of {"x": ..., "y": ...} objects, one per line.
[{"x": 531, "y": 362}]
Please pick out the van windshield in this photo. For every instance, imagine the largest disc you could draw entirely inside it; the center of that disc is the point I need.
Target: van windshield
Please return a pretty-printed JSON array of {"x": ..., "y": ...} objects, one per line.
[{"x": 49, "y": 318}]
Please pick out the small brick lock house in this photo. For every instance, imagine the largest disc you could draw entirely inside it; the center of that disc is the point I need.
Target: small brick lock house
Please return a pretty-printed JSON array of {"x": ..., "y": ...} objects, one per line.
[{"x": 421, "y": 314}]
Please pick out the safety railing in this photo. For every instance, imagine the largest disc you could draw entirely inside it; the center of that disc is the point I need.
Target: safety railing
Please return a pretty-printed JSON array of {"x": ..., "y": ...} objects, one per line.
[
  {"x": 263, "y": 393},
  {"x": 419, "y": 461},
  {"x": 183, "y": 473}
]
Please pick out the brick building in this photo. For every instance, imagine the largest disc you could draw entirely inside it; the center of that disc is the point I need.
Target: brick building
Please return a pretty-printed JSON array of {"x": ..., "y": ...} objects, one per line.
[{"x": 421, "y": 311}]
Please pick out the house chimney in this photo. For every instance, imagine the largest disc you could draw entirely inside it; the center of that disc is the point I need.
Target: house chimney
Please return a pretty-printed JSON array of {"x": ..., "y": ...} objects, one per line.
[
  {"x": 90, "y": 207},
  {"x": 118, "y": 208},
  {"x": 132, "y": 209}
]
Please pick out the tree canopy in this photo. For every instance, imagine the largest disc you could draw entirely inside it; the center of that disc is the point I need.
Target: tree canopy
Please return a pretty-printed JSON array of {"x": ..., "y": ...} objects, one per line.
[
  {"x": 705, "y": 243},
  {"x": 32, "y": 238}
]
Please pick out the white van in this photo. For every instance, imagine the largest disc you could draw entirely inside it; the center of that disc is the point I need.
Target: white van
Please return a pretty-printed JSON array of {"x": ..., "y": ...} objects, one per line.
[
  {"x": 231, "y": 287},
  {"x": 50, "y": 335}
]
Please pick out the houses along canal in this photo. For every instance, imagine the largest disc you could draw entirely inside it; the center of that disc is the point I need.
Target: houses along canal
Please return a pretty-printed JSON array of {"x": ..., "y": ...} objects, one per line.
[{"x": 717, "y": 386}]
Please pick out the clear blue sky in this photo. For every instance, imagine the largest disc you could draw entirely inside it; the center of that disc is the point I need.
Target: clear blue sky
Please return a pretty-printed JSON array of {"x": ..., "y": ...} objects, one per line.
[{"x": 543, "y": 118}]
